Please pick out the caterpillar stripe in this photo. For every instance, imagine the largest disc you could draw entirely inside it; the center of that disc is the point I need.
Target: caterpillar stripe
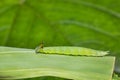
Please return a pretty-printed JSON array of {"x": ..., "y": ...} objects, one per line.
[{"x": 67, "y": 50}]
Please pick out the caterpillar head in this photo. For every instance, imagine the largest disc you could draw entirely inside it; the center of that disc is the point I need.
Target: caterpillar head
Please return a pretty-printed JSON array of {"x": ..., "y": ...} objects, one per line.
[{"x": 39, "y": 48}]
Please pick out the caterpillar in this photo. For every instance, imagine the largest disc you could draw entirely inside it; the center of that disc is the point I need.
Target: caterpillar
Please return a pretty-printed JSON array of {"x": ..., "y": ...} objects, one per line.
[{"x": 69, "y": 50}]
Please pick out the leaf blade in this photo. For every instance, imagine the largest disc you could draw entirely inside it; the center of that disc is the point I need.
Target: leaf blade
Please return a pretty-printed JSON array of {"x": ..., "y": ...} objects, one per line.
[{"x": 23, "y": 65}]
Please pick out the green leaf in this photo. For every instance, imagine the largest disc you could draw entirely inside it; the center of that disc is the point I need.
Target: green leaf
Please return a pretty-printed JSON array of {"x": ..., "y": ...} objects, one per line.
[
  {"x": 87, "y": 23},
  {"x": 18, "y": 63},
  {"x": 115, "y": 77}
]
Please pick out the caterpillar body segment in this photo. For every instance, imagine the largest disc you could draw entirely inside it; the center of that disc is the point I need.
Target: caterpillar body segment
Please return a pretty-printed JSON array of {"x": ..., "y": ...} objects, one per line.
[{"x": 75, "y": 51}]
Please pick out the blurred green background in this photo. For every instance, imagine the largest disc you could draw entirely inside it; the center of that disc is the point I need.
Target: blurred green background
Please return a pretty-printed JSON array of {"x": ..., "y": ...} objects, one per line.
[{"x": 87, "y": 23}]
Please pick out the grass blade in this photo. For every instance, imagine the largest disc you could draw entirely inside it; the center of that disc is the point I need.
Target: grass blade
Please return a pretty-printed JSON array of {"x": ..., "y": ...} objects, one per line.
[{"x": 18, "y": 63}]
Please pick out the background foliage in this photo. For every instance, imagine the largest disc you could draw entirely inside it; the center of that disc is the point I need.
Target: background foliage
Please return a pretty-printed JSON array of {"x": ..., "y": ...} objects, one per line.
[{"x": 88, "y": 23}]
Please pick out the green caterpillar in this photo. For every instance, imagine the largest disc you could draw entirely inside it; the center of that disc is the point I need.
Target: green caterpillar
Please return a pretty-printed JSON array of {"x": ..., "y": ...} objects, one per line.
[{"x": 66, "y": 50}]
